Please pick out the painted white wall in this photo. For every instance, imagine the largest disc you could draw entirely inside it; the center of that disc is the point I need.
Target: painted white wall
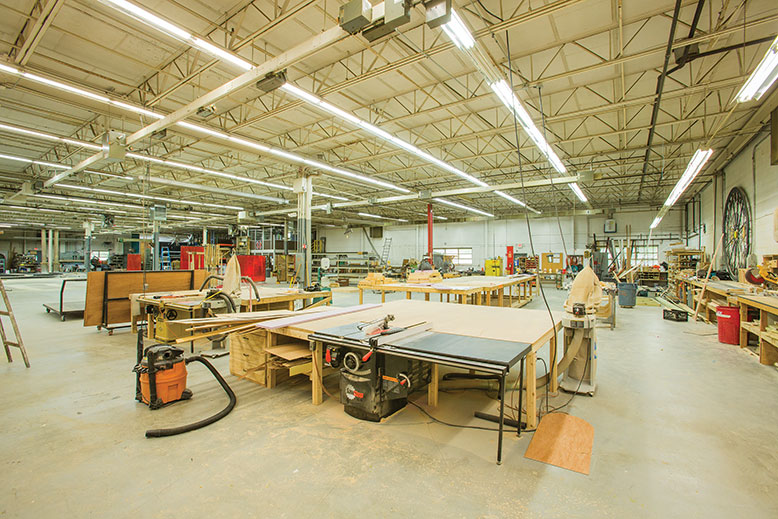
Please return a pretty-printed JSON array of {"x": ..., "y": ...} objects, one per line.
[
  {"x": 489, "y": 238},
  {"x": 762, "y": 192}
]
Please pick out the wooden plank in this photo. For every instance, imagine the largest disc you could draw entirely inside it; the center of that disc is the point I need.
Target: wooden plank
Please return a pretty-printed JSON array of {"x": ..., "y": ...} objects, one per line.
[
  {"x": 290, "y": 351},
  {"x": 564, "y": 441}
]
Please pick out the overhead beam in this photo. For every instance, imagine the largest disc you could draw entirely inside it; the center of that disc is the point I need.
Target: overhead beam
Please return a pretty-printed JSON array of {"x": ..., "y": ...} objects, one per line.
[{"x": 33, "y": 37}]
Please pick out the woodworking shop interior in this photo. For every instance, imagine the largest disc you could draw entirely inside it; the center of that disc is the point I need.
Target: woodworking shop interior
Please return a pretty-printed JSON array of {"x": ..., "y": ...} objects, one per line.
[{"x": 352, "y": 258}]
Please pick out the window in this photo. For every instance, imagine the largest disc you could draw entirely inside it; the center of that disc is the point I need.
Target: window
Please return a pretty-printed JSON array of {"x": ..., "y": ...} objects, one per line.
[
  {"x": 645, "y": 254},
  {"x": 459, "y": 255},
  {"x": 102, "y": 255}
]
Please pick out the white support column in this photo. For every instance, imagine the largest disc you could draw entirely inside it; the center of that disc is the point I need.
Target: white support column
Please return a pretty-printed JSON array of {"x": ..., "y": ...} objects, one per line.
[
  {"x": 56, "y": 251},
  {"x": 304, "y": 188},
  {"x": 44, "y": 259},
  {"x": 50, "y": 250}
]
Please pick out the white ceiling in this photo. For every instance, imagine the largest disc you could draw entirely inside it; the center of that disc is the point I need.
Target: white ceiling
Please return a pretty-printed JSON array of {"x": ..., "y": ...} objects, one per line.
[{"x": 593, "y": 64}]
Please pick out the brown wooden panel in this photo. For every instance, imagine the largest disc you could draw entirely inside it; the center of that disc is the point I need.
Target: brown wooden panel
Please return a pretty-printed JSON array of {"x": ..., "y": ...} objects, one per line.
[
  {"x": 93, "y": 309},
  {"x": 120, "y": 284}
]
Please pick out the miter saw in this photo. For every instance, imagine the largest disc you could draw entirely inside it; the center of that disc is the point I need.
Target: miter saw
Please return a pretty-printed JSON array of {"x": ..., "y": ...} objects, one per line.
[{"x": 580, "y": 341}]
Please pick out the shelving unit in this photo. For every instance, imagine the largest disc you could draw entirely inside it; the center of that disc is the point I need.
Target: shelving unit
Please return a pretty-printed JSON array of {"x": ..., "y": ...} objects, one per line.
[
  {"x": 348, "y": 265},
  {"x": 680, "y": 260}
]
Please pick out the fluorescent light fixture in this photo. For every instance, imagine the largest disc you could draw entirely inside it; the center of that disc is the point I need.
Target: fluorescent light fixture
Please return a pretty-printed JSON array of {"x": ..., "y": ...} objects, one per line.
[
  {"x": 515, "y": 201},
  {"x": 48, "y": 136},
  {"x": 509, "y": 99},
  {"x": 695, "y": 166},
  {"x": 763, "y": 76},
  {"x": 457, "y": 31},
  {"x": 30, "y": 161},
  {"x": 147, "y": 197},
  {"x": 179, "y": 33},
  {"x": 378, "y": 132},
  {"x": 221, "y": 135},
  {"x": 655, "y": 222},
  {"x": 577, "y": 190},
  {"x": 368, "y": 215},
  {"x": 334, "y": 197},
  {"x": 464, "y": 207}
]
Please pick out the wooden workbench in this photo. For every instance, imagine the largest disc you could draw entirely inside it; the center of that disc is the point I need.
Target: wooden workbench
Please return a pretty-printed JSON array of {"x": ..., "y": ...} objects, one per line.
[
  {"x": 511, "y": 324},
  {"x": 717, "y": 293},
  {"x": 187, "y": 303},
  {"x": 768, "y": 340},
  {"x": 478, "y": 290}
]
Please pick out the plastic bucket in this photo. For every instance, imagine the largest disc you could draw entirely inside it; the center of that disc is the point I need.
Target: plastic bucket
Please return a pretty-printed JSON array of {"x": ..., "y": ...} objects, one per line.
[
  {"x": 628, "y": 294},
  {"x": 728, "y": 320}
]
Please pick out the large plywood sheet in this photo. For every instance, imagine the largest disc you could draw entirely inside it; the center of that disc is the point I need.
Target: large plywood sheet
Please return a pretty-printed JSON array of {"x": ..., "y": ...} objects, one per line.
[{"x": 507, "y": 324}]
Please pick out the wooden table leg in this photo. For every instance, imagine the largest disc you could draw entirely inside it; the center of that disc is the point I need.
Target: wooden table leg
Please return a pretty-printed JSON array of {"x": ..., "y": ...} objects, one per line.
[
  {"x": 461, "y": 299},
  {"x": 361, "y": 296},
  {"x": 426, "y": 296},
  {"x": 500, "y": 295},
  {"x": 407, "y": 295},
  {"x": 383, "y": 296},
  {"x": 291, "y": 305},
  {"x": 432, "y": 388},
  {"x": 743, "y": 331},
  {"x": 531, "y": 406},
  {"x": 318, "y": 367},
  {"x": 478, "y": 298}
]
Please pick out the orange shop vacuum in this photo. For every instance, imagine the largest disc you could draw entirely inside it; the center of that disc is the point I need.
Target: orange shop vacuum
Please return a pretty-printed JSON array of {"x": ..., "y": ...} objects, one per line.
[{"x": 161, "y": 380}]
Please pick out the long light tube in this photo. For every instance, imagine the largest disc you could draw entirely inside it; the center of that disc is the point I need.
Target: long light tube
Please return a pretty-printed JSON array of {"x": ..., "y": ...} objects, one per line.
[
  {"x": 369, "y": 215},
  {"x": 146, "y": 158},
  {"x": 178, "y": 33},
  {"x": 515, "y": 201},
  {"x": 148, "y": 197},
  {"x": 509, "y": 99},
  {"x": 378, "y": 132},
  {"x": 464, "y": 207},
  {"x": 457, "y": 31},
  {"x": 692, "y": 170},
  {"x": 203, "y": 129},
  {"x": 577, "y": 190},
  {"x": 655, "y": 222},
  {"x": 763, "y": 76}
]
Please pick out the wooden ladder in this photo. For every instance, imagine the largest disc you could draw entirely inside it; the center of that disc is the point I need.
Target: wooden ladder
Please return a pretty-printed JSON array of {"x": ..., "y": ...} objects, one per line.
[{"x": 18, "y": 343}]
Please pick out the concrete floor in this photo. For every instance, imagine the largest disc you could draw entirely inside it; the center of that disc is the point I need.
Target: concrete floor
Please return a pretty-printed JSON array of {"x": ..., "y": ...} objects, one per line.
[{"x": 684, "y": 427}]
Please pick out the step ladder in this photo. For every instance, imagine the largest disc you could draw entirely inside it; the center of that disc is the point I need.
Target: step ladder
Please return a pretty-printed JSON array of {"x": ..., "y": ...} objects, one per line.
[
  {"x": 385, "y": 252},
  {"x": 165, "y": 257},
  {"x": 18, "y": 343}
]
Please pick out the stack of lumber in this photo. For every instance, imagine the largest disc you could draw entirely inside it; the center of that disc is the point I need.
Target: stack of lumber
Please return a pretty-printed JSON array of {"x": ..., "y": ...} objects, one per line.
[
  {"x": 374, "y": 278},
  {"x": 425, "y": 276}
]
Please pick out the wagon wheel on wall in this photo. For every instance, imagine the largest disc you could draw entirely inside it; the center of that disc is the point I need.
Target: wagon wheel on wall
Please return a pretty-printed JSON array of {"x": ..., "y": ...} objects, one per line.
[{"x": 737, "y": 231}]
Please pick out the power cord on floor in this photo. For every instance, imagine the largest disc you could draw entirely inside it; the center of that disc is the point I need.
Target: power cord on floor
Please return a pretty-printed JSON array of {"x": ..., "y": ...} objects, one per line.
[{"x": 461, "y": 426}]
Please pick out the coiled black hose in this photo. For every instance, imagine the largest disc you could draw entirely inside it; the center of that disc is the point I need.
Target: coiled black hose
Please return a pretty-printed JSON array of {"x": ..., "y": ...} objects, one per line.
[{"x": 159, "y": 433}]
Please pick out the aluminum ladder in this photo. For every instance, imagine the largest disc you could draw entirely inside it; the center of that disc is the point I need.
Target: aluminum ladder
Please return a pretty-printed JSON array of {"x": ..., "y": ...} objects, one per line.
[
  {"x": 17, "y": 343},
  {"x": 165, "y": 264},
  {"x": 385, "y": 252}
]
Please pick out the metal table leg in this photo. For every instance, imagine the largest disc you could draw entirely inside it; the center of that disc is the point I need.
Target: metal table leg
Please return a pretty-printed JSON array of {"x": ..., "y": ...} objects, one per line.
[{"x": 502, "y": 417}]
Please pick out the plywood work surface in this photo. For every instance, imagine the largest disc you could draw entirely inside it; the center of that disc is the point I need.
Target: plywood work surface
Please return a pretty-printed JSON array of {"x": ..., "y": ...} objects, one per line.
[
  {"x": 507, "y": 324},
  {"x": 564, "y": 441}
]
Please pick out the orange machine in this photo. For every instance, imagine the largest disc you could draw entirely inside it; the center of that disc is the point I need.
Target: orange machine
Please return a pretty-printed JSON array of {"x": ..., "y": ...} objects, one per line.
[
  {"x": 161, "y": 379},
  {"x": 164, "y": 366}
]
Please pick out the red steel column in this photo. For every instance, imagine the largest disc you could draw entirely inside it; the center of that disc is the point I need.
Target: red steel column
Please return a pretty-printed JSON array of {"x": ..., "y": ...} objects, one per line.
[{"x": 429, "y": 230}]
